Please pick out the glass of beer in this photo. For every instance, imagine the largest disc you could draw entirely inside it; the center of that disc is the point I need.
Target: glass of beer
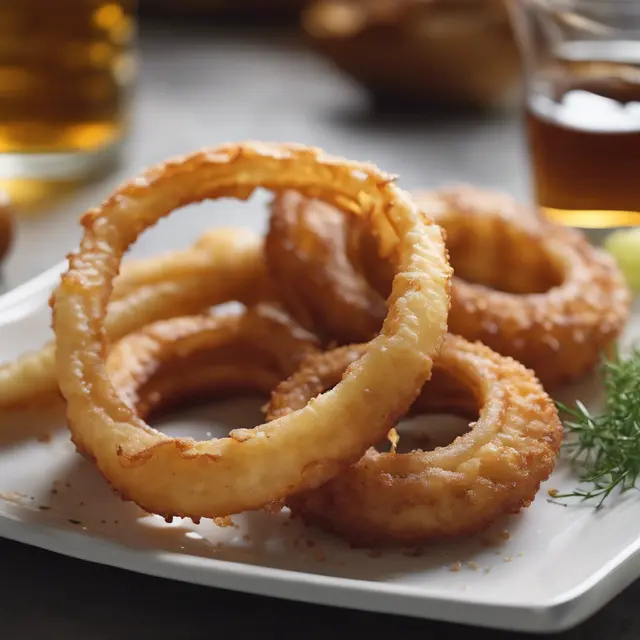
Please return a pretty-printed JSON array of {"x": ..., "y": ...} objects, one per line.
[
  {"x": 66, "y": 74},
  {"x": 581, "y": 65}
]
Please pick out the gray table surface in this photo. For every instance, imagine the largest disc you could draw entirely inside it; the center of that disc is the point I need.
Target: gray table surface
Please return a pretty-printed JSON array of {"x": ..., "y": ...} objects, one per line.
[{"x": 200, "y": 88}]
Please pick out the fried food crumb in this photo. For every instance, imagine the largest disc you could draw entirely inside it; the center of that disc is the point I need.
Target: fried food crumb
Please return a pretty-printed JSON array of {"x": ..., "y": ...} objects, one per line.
[
  {"x": 246, "y": 537},
  {"x": 507, "y": 559},
  {"x": 273, "y": 507},
  {"x": 505, "y": 535},
  {"x": 553, "y": 492},
  {"x": 473, "y": 565},
  {"x": 224, "y": 522},
  {"x": 456, "y": 566}
]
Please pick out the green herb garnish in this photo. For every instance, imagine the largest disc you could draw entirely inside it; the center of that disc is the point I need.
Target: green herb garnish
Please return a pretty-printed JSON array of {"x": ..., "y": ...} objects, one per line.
[{"x": 607, "y": 447}]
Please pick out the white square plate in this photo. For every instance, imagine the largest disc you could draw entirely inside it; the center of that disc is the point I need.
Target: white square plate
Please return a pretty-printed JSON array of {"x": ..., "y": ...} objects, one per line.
[{"x": 544, "y": 570}]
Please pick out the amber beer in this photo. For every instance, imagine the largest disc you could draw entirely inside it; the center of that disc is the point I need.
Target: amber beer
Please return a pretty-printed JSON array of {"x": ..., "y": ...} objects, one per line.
[
  {"x": 66, "y": 70},
  {"x": 584, "y": 137}
]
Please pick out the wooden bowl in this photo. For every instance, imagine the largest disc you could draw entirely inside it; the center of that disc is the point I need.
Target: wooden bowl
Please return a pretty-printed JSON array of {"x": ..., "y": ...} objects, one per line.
[{"x": 443, "y": 52}]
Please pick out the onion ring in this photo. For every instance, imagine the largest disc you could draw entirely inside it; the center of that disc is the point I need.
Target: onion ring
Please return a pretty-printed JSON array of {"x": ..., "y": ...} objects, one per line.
[
  {"x": 216, "y": 478},
  {"x": 494, "y": 469},
  {"x": 252, "y": 350},
  {"x": 562, "y": 301},
  {"x": 306, "y": 249},
  {"x": 530, "y": 290},
  {"x": 224, "y": 265}
]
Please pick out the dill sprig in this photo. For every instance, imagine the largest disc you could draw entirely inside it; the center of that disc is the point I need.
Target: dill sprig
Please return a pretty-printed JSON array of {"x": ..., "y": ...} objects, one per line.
[{"x": 606, "y": 447}]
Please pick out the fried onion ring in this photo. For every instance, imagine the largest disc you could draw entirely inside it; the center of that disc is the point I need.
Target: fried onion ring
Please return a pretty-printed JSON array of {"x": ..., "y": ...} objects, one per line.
[
  {"x": 252, "y": 467},
  {"x": 530, "y": 290},
  {"x": 223, "y": 265},
  {"x": 252, "y": 350},
  {"x": 495, "y": 468},
  {"x": 534, "y": 291},
  {"x": 306, "y": 249}
]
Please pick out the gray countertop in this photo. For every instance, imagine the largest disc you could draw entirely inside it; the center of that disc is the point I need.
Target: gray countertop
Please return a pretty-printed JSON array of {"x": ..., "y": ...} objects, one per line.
[{"x": 201, "y": 88}]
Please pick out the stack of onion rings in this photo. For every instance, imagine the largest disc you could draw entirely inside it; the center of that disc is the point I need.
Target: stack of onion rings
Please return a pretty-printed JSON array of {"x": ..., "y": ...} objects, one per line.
[
  {"x": 353, "y": 259},
  {"x": 384, "y": 499},
  {"x": 494, "y": 469},
  {"x": 539, "y": 293},
  {"x": 181, "y": 477}
]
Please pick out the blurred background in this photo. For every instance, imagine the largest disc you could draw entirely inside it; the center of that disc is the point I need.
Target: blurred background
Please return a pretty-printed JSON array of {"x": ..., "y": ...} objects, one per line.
[
  {"x": 421, "y": 89},
  {"x": 96, "y": 90}
]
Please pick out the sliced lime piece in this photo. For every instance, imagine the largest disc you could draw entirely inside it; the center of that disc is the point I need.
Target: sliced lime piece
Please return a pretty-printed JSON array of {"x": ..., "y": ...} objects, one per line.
[{"x": 624, "y": 245}]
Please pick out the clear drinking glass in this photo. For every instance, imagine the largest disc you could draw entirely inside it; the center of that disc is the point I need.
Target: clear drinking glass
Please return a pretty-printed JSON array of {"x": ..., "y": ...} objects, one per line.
[
  {"x": 581, "y": 66},
  {"x": 66, "y": 72}
]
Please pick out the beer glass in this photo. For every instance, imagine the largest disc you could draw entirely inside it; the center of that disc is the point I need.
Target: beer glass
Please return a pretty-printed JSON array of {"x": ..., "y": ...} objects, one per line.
[{"x": 66, "y": 73}]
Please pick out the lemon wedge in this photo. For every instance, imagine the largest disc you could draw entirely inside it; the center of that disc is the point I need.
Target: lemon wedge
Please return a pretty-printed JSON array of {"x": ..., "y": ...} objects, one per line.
[{"x": 624, "y": 245}]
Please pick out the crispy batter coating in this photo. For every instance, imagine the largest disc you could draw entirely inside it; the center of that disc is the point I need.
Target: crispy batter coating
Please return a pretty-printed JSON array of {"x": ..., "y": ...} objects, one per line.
[
  {"x": 528, "y": 289},
  {"x": 531, "y": 290},
  {"x": 495, "y": 468},
  {"x": 307, "y": 256},
  {"x": 172, "y": 362}
]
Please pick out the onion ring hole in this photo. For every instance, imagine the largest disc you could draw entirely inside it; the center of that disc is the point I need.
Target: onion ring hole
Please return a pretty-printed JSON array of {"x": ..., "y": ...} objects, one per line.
[
  {"x": 442, "y": 412},
  {"x": 220, "y": 366}
]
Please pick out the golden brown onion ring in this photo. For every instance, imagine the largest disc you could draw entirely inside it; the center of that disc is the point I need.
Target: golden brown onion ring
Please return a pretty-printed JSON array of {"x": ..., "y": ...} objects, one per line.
[
  {"x": 530, "y": 290},
  {"x": 174, "y": 361},
  {"x": 534, "y": 291},
  {"x": 306, "y": 249},
  {"x": 182, "y": 477},
  {"x": 224, "y": 265},
  {"x": 494, "y": 469}
]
